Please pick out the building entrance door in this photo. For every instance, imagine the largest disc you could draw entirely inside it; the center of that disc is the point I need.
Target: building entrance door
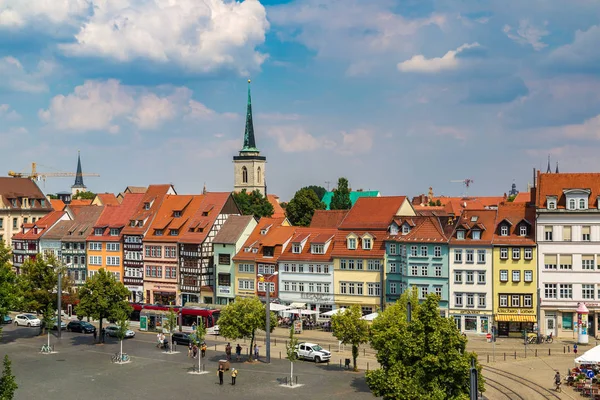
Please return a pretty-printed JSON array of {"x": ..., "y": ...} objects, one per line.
[{"x": 551, "y": 326}]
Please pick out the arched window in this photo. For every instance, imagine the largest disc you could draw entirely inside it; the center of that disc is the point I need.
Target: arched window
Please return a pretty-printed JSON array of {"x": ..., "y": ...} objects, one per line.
[
  {"x": 572, "y": 204},
  {"x": 582, "y": 204},
  {"x": 244, "y": 175},
  {"x": 258, "y": 175}
]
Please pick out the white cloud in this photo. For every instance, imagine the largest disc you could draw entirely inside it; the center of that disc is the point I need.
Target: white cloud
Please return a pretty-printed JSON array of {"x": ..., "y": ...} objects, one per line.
[
  {"x": 527, "y": 34},
  {"x": 17, "y": 13},
  {"x": 197, "y": 35},
  {"x": 589, "y": 129},
  {"x": 448, "y": 61},
  {"x": 293, "y": 139},
  {"x": 358, "y": 141},
  {"x": 198, "y": 111},
  {"x": 20, "y": 79},
  {"x": 581, "y": 53},
  {"x": 7, "y": 113}
]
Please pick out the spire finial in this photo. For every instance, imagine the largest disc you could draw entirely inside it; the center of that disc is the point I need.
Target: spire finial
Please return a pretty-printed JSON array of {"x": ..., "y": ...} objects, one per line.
[
  {"x": 79, "y": 173},
  {"x": 548, "y": 170},
  {"x": 557, "y": 167},
  {"x": 249, "y": 142}
]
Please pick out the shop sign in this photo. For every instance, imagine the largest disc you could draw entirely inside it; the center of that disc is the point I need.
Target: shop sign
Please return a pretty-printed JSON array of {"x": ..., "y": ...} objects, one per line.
[
  {"x": 515, "y": 311},
  {"x": 224, "y": 289},
  {"x": 164, "y": 287},
  {"x": 143, "y": 323}
]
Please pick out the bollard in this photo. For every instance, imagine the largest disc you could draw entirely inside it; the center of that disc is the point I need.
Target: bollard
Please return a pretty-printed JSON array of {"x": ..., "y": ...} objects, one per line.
[
  {"x": 275, "y": 341},
  {"x": 280, "y": 355},
  {"x": 536, "y": 352},
  {"x": 504, "y": 356},
  {"x": 340, "y": 363},
  {"x": 488, "y": 358},
  {"x": 564, "y": 350},
  {"x": 549, "y": 352},
  {"x": 515, "y": 355},
  {"x": 215, "y": 347},
  {"x": 296, "y": 379}
]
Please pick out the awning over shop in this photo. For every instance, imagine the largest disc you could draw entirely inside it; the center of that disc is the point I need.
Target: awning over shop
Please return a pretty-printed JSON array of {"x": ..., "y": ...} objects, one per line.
[
  {"x": 515, "y": 318},
  {"x": 298, "y": 305}
]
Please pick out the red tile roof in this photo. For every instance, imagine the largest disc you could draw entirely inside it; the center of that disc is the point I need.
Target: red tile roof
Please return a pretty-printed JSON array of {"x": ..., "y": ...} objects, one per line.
[
  {"x": 108, "y": 199},
  {"x": 205, "y": 216},
  {"x": 256, "y": 237},
  {"x": 116, "y": 217},
  {"x": 188, "y": 205},
  {"x": 423, "y": 229},
  {"x": 555, "y": 184},
  {"x": 312, "y": 235},
  {"x": 514, "y": 215},
  {"x": 37, "y": 229},
  {"x": 372, "y": 213},
  {"x": 341, "y": 249},
  {"x": 80, "y": 202},
  {"x": 57, "y": 204},
  {"x": 278, "y": 211},
  {"x": 522, "y": 197},
  {"x": 328, "y": 218},
  {"x": 155, "y": 195},
  {"x": 83, "y": 224},
  {"x": 484, "y": 220}
]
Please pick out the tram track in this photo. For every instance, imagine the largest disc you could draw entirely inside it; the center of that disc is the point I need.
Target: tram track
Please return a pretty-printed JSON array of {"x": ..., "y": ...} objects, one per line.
[
  {"x": 541, "y": 390},
  {"x": 496, "y": 386}
]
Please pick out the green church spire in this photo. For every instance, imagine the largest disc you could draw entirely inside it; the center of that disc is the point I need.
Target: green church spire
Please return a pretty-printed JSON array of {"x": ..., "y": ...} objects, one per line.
[{"x": 249, "y": 142}]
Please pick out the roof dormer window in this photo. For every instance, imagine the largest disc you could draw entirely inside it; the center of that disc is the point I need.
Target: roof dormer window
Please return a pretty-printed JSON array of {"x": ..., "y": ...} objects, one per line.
[
  {"x": 317, "y": 249},
  {"x": 474, "y": 218},
  {"x": 268, "y": 251},
  {"x": 572, "y": 204},
  {"x": 205, "y": 213},
  {"x": 460, "y": 234},
  {"x": 98, "y": 231},
  {"x": 504, "y": 230},
  {"x": 405, "y": 229},
  {"x": 296, "y": 248},
  {"x": 32, "y": 203},
  {"x": 132, "y": 223},
  {"x": 43, "y": 203},
  {"x": 367, "y": 243},
  {"x": 173, "y": 232},
  {"x": 264, "y": 231},
  {"x": 176, "y": 214},
  {"x": 394, "y": 227},
  {"x": 158, "y": 232},
  {"x": 114, "y": 231},
  {"x": 476, "y": 234},
  {"x": 147, "y": 205},
  {"x": 523, "y": 230},
  {"x": 582, "y": 204},
  {"x": 13, "y": 202},
  {"x": 352, "y": 243}
]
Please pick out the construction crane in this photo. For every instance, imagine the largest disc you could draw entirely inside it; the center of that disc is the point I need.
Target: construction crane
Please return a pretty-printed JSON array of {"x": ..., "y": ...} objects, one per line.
[
  {"x": 34, "y": 175},
  {"x": 467, "y": 182}
]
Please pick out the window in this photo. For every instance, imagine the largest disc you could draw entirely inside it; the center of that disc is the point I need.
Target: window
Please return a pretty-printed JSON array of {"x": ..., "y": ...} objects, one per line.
[
  {"x": 246, "y": 268},
  {"x": 393, "y": 249},
  {"x": 244, "y": 175},
  {"x": 224, "y": 280},
  {"x": 548, "y": 233},
  {"x": 458, "y": 300},
  {"x": 551, "y": 204},
  {"x": 158, "y": 232},
  {"x": 481, "y": 300},
  {"x": 176, "y": 214},
  {"x": 503, "y": 275},
  {"x": 423, "y": 292},
  {"x": 565, "y": 291},
  {"x": 566, "y": 262},
  {"x": 366, "y": 244},
  {"x": 343, "y": 288},
  {"x": 587, "y": 261},
  {"x": 438, "y": 291},
  {"x": 438, "y": 271},
  {"x": 392, "y": 268},
  {"x": 170, "y": 252},
  {"x": 476, "y": 234},
  {"x": 457, "y": 276},
  {"x": 585, "y": 233},
  {"x": 98, "y": 231},
  {"x": 582, "y": 205},
  {"x": 550, "y": 261},
  {"x": 270, "y": 269},
  {"x": 528, "y": 276},
  {"x": 43, "y": 203},
  {"x": 515, "y": 300},
  {"x": 15, "y": 223},
  {"x": 1, "y": 223},
  {"x": 296, "y": 248},
  {"x": 95, "y": 260},
  {"x": 171, "y": 272},
  {"x": 352, "y": 244},
  {"x": 246, "y": 284},
  {"x": 414, "y": 251},
  {"x": 527, "y": 300},
  {"x": 504, "y": 230},
  {"x": 458, "y": 256},
  {"x": 550, "y": 290},
  {"x": 113, "y": 246},
  {"x": 572, "y": 204},
  {"x": 587, "y": 292},
  {"x": 567, "y": 233},
  {"x": 516, "y": 276},
  {"x": 114, "y": 232},
  {"x": 113, "y": 261},
  {"x": 567, "y": 321},
  {"x": 528, "y": 253},
  {"x": 373, "y": 289},
  {"x": 96, "y": 246},
  {"x": 424, "y": 270},
  {"x": 523, "y": 230},
  {"x": 268, "y": 251},
  {"x": 317, "y": 249},
  {"x": 224, "y": 259},
  {"x": 437, "y": 251},
  {"x": 516, "y": 253},
  {"x": 405, "y": 229},
  {"x": 423, "y": 251},
  {"x": 503, "y": 300},
  {"x": 460, "y": 234},
  {"x": 470, "y": 300},
  {"x": 393, "y": 288},
  {"x": 481, "y": 277},
  {"x": 480, "y": 256},
  {"x": 343, "y": 264},
  {"x": 470, "y": 277},
  {"x": 504, "y": 253},
  {"x": 372, "y": 265},
  {"x": 258, "y": 175},
  {"x": 350, "y": 264},
  {"x": 414, "y": 269},
  {"x": 469, "y": 256},
  {"x": 262, "y": 286}
]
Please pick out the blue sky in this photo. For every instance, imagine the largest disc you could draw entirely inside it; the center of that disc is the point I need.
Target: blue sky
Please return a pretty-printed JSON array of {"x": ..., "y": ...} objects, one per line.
[{"x": 396, "y": 96}]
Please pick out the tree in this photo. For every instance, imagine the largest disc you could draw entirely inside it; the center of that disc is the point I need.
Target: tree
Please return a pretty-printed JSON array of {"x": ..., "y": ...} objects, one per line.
[
  {"x": 423, "y": 358},
  {"x": 197, "y": 338},
  {"x": 292, "y": 354},
  {"x": 253, "y": 203},
  {"x": 171, "y": 325},
  {"x": 242, "y": 318},
  {"x": 8, "y": 385},
  {"x": 348, "y": 327},
  {"x": 301, "y": 208},
  {"x": 8, "y": 284},
  {"x": 341, "y": 196},
  {"x": 85, "y": 196},
  {"x": 319, "y": 190},
  {"x": 122, "y": 321},
  {"x": 102, "y": 296}
]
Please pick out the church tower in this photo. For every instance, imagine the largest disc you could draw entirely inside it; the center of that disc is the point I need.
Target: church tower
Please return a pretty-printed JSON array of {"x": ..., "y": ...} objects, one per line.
[
  {"x": 78, "y": 186},
  {"x": 249, "y": 165}
]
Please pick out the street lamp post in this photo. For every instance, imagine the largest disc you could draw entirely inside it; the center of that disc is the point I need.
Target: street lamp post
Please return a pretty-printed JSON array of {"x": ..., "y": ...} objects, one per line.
[
  {"x": 59, "y": 305},
  {"x": 268, "y": 318}
]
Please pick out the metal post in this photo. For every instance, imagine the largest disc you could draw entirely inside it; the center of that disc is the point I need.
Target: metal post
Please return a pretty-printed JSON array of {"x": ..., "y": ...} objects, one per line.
[
  {"x": 59, "y": 303},
  {"x": 474, "y": 382},
  {"x": 539, "y": 317},
  {"x": 268, "y": 327},
  {"x": 408, "y": 312}
]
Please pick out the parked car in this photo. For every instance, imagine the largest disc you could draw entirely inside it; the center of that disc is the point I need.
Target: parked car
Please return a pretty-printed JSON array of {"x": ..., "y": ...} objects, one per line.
[
  {"x": 54, "y": 325},
  {"x": 81, "y": 326},
  {"x": 113, "y": 330},
  {"x": 213, "y": 330},
  {"x": 183, "y": 338},
  {"x": 312, "y": 351},
  {"x": 7, "y": 319},
  {"x": 27, "y": 320}
]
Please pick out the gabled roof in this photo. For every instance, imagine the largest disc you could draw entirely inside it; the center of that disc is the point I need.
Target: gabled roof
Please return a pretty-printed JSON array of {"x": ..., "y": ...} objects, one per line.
[
  {"x": 57, "y": 204},
  {"x": 328, "y": 218},
  {"x": 107, "y": 199},
  {"x": 117, "y": 216},
  {"x": 516, "y": 212},
  {"x": 278, "y": 211},
  {"x": 256, "y": 237},
  {"x": 556, "y": 184},
  {"x": 374, "y": 213},
  {"x": 83, "y": 224},
  {"x": 426, "y": 229},
  {"x": 80, "y": 202},
  {"x": 18, "y": 188},
  {"x": 341, "y": 249},
  {"x": 313, "y": 236},
  {"x": 485, "y": 219},
  {"x": 523, "y": 197},
  {"x": 155, "y": 194},
  {"x": 205, "y": 216},
  {"x": 37, "y": 229},
  {"x": 135, "y": 189},
  {"x": 232, "y": 229},
  {"x": 187, "y": 204}
]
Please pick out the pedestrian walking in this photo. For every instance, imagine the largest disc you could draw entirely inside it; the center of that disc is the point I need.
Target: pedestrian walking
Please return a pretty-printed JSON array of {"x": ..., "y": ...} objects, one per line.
[
  {"x": 194, "y": 327},
  {"x": 195, "y": 351},
  {"x": 190, "y": 349},
  {"x": 228, "y": 351},
  {"x": 103, "y": 333},
  {"x": 220, "y": 373},
  {"x": 256, "y": 352},
  {"x": 234, "y": 373},
  {"x": 203, "y": 349},
  {"x": 95, "y": 335},
  {"x": 158, "y": 339},
  {"x": 238, "y": 352}
]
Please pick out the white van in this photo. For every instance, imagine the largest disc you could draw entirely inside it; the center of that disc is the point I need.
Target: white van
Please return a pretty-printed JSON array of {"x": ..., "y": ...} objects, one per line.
[{"x": 312, "y": 351}]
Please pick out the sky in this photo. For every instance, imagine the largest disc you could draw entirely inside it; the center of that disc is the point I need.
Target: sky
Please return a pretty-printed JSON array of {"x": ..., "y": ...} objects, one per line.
[{"x": 395, "y": 95}]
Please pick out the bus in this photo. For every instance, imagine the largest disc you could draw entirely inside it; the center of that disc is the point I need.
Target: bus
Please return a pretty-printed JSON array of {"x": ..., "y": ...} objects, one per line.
[{"x": 185, "y": 315}]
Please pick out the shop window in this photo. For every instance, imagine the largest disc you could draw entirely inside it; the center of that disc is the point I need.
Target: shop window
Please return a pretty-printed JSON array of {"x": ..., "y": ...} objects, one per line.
[
  {"x": 470, "y": 323},
  {"x": 567, "y": 321}
]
